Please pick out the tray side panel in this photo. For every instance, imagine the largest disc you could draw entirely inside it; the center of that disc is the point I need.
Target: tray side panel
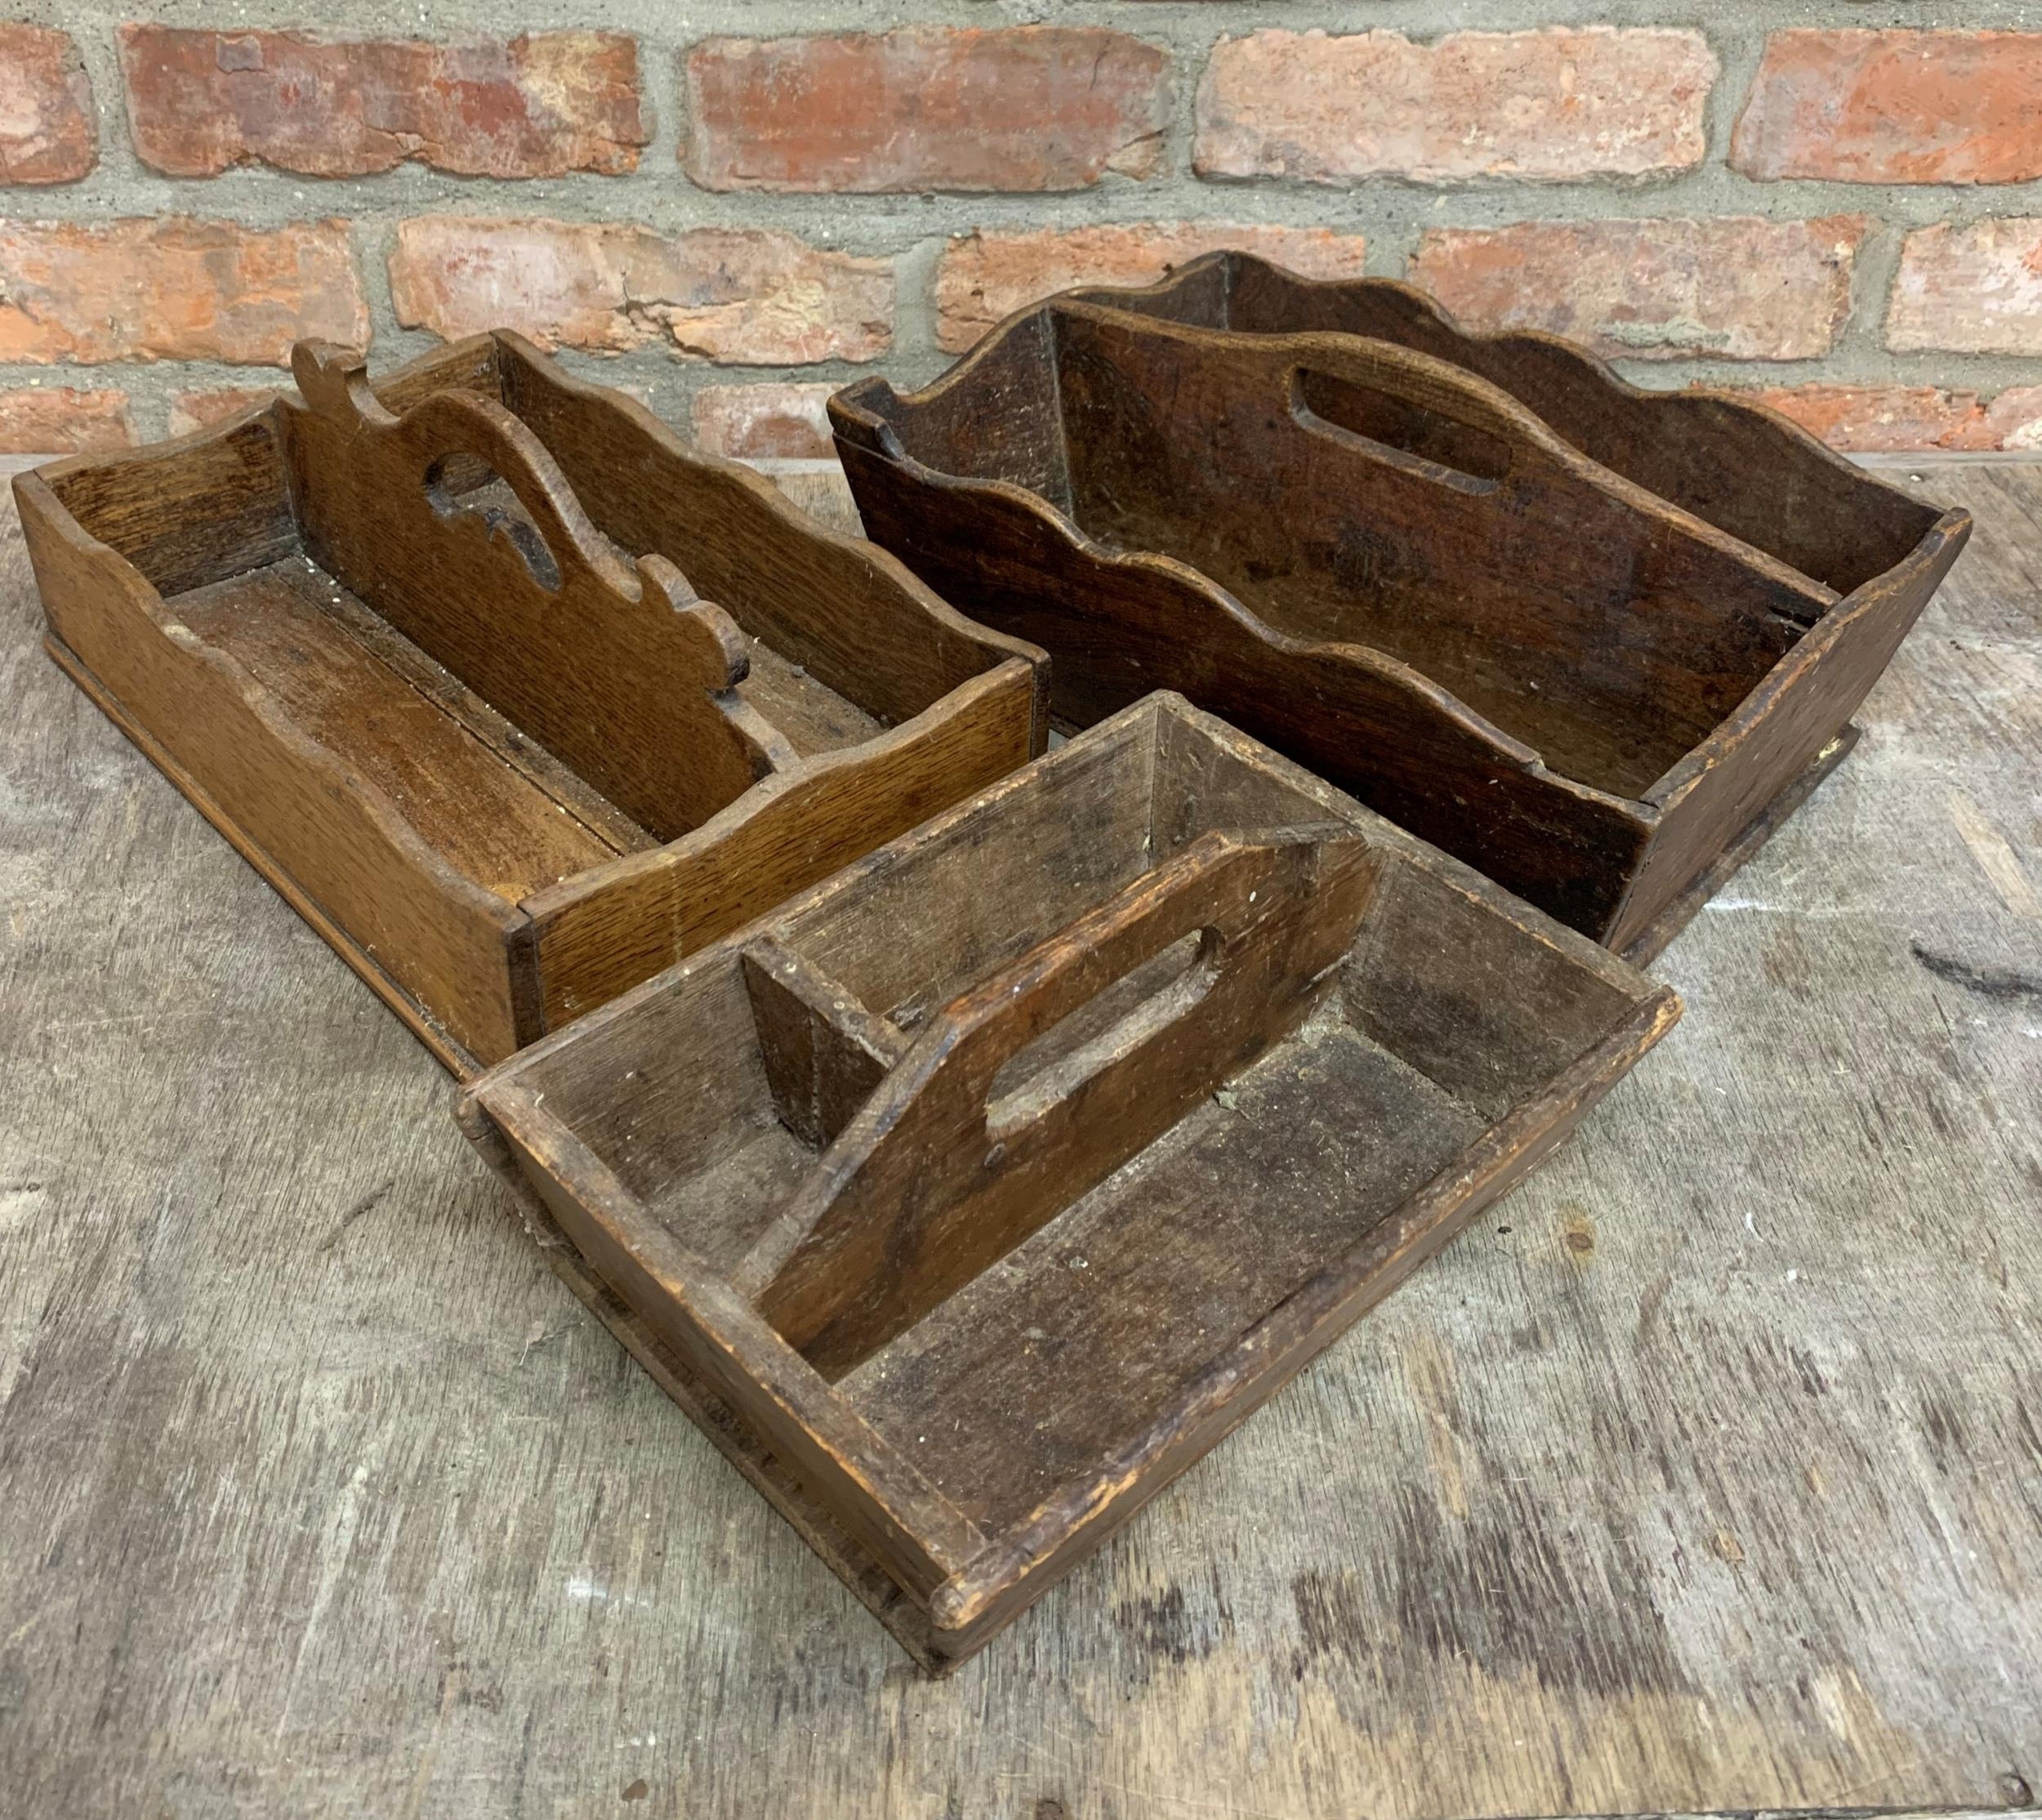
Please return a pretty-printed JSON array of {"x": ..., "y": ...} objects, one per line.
[
  {"x": 444, "y": 942},
  {"x": 1644, "y": 947},
  {"x": 1782, "y": 729},
  {"x": 602, "y": 934},
  {"x": 422, "y": 1024},
  {"x": 183, "y": 513},
  {"x": 1121, "y": 627}
]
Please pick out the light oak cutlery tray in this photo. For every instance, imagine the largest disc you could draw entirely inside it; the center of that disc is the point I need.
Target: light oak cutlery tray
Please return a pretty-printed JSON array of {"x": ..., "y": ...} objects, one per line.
[
  {"x": 969, "y": 1197},
  {"x": 515, "y": 698},
  {"x": 1569, "y": 674}
]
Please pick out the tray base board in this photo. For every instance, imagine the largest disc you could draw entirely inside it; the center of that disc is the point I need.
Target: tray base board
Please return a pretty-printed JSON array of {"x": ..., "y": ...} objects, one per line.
[
  {"x": 1652, "y": 941},
  {"x": 449, "y": 1053}
]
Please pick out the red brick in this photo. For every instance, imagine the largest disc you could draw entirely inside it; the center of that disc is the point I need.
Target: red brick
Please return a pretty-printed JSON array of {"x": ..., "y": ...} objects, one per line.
[
  {"x": 172, "y": 288},
  {"x": 1038, "y": 107},
  {"x": 764, "y": 422},
  {"x": 1864, "y": 418},
  {"x": 1736, "y": 288},
  {"x": 48, "y": 132},
  {"x": 1555, "y": 103},
  {"x": 190, "y": 411},
  {"x": 1861, "y": 417},
  {"x": 56, "y": 420},
  {"x": 985, "y": 276},
  {"x": 1895, "y": 107},
  {"x": 1971, "y": 290},
  {"x": 2013, "y": 419},
  {"x": 745, "y": 296},
  {"x": 199, "y": 102}
]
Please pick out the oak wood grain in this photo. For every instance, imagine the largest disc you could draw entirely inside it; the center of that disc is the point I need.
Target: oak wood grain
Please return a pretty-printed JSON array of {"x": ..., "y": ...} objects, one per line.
[{"x": 479, "y": 724}]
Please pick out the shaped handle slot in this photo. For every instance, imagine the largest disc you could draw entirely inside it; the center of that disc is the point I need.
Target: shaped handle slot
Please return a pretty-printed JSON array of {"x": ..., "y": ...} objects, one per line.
[
  {"x": 452, "y": 434},
  {"x": 1421, "y": 439}
]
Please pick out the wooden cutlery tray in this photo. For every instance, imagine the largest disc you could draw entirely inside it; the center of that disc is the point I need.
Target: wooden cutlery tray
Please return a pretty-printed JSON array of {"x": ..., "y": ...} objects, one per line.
[
  {"x": 1587, "y": 680},
  {"x": 972, "y": 1195},
  {"x": 431, "y": 655},
  {"x": 1732, "y": 463}
]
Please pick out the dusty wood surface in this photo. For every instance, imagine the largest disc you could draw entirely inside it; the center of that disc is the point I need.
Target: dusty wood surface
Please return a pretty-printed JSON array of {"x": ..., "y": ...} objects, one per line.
[{"x": 1704, "y": 1473}]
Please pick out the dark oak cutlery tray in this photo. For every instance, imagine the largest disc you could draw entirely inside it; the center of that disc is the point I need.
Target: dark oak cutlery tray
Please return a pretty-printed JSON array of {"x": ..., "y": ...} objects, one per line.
[
  {"x": 1596, "y": 642},
  {"x": 973, "y": 1193},
  {"x": 1732, "y": 463},
  {"x": 431, "y": 654}
]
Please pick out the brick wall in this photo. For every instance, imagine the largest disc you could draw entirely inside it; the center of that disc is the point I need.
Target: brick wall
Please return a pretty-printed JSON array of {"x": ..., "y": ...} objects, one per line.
[{"x": 734, "y": 206}]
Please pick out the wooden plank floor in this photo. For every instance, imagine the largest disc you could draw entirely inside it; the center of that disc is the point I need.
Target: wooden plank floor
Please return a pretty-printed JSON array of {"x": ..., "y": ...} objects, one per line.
[{"x": 1705, "y": 1473}]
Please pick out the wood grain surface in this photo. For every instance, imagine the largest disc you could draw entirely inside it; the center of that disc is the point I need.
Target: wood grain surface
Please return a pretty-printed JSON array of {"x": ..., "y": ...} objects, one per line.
[{"x": 1704, "y": 1473}]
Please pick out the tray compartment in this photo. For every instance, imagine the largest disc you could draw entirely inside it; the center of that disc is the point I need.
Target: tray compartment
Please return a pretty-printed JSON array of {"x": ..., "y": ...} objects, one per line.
[
  {"x": 427, "y": 653},
  {"x": 1383, "y": 563},
  {"x": 1027, "y": 1192},
  {"x": 296, "y": 631},
  {"x": 1057, "y": 1357}
]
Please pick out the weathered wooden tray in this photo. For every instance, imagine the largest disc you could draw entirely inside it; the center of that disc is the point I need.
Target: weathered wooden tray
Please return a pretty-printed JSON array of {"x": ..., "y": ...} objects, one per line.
[
  {"x": 424, "y": 655},
  {"x": 1390, "y": 568},
  {"x": 971, "y": 1196}
]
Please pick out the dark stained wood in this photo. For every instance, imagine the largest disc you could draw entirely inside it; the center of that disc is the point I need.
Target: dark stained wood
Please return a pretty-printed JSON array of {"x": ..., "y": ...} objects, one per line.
[
  {"x": 472, "y": 715},
  {"x": 1370, "y": 553},
  {"x": 1206, "y": 1059},
  {"x": 320, "y": 1493},
  {"x": 1732, "y": 463}
]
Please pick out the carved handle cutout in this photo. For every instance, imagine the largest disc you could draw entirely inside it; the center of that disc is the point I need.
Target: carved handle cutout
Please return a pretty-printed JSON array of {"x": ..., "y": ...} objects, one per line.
[
  {"x": 1038, "y": 1082},
  {"x": 1149, "y": 995},
  {"x": 454, "y": 521},
  {"x": 501, "y": 513},
  {"x": 1419, "y": 439}
]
